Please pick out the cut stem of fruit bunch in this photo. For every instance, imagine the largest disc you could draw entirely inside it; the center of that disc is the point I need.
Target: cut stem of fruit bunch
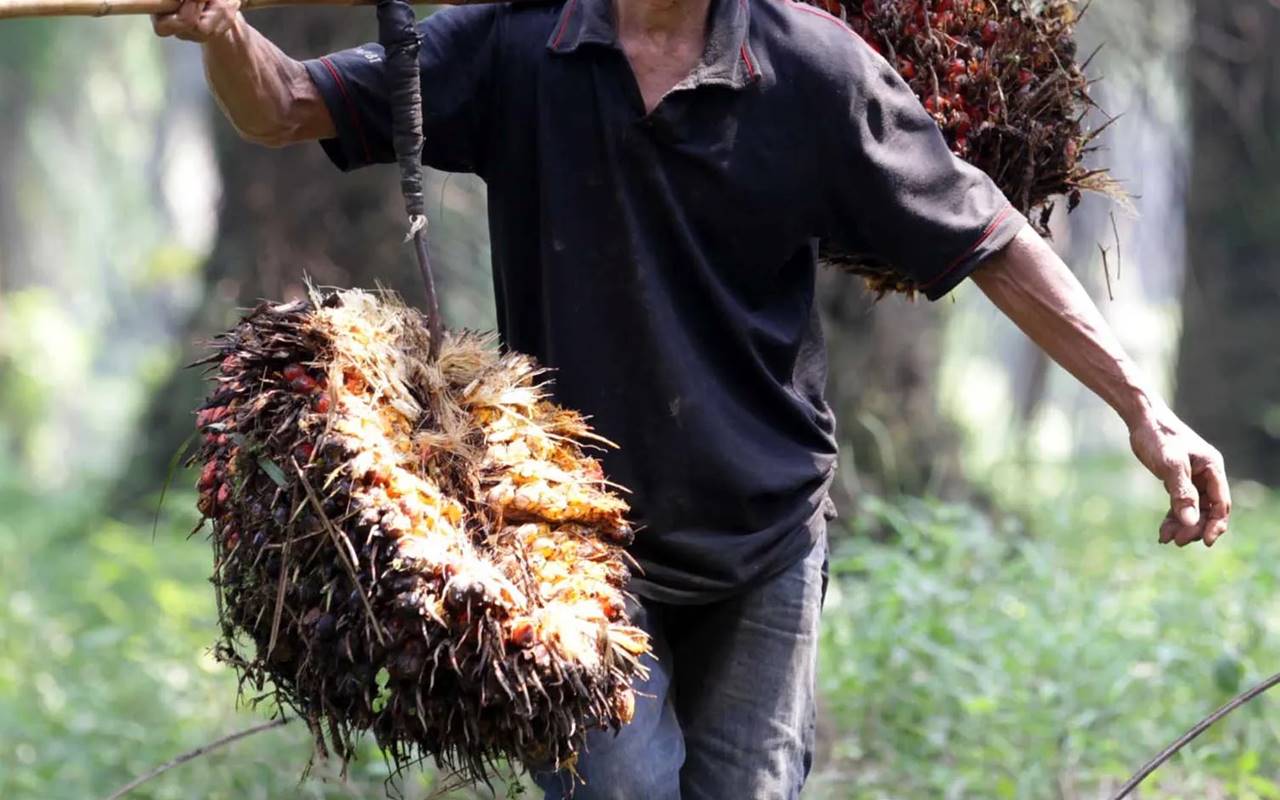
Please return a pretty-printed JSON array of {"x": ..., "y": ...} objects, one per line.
[
  {"x": 423, "y": 550},
  {"x": 1001, "y": 79}
]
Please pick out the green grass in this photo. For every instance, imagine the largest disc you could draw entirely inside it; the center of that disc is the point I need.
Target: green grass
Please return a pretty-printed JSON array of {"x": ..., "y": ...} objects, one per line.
[
  {"x": 1049, "y": 653},
  {"x": 1043, "y": 652}
]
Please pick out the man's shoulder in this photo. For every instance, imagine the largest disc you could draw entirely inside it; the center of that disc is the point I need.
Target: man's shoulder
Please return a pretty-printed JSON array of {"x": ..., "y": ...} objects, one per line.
[{"x": 805, "y": 42}]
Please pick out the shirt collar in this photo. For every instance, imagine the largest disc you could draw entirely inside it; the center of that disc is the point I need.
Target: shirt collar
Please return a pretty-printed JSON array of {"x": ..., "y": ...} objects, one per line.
[{"x": 728, "y": 59}]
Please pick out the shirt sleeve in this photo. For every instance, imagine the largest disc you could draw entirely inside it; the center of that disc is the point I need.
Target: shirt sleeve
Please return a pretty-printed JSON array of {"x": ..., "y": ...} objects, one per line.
[
  {"x": 457, "y": 58},
  {"x": 900, "y": 196}
]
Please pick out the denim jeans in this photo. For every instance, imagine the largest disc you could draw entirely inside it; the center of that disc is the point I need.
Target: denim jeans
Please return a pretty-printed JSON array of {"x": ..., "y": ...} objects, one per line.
[{"x": 727, "y": 712}]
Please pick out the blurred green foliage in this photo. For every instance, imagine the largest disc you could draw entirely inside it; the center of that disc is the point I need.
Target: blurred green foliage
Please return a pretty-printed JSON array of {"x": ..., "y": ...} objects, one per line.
[{"x": 1048, "y": 652}]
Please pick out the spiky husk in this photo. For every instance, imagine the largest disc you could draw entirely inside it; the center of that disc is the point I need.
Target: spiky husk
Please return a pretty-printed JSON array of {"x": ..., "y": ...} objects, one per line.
[
  {"x": 1002, "y": 80},
  {"x": 424, "y": 551}
]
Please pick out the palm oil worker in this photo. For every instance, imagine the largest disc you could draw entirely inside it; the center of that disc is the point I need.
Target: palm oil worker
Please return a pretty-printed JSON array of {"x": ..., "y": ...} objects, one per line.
[{"x": 658, "y": 173}]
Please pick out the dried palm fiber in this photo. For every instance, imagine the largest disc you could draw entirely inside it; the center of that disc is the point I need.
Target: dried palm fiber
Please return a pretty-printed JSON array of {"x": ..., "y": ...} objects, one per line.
[
  {"x": 419, "y": 549},
  {"x": 1001, "y": 79}
]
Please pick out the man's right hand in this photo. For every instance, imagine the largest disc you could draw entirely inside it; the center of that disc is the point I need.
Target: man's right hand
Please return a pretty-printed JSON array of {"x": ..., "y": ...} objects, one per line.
[{"x": 198, "y": 20}]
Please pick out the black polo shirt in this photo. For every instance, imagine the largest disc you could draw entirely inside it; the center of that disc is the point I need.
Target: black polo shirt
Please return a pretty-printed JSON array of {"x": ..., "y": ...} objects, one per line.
[{"x": 664, "y": 264}]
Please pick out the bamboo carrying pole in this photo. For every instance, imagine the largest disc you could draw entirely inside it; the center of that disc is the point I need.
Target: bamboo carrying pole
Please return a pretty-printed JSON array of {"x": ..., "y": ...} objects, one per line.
[{"x": 19, "y": 9}]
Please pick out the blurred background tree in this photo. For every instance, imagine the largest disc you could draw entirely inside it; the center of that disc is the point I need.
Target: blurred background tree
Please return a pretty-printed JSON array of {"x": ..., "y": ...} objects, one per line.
[{"x": 1229, "y": 361}]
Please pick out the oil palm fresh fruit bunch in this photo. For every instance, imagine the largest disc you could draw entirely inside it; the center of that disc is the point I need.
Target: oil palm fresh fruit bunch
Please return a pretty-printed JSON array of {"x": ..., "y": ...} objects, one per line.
[
  {"x": 421, "y": 549},
  {"x": 1002, "y": 80}
]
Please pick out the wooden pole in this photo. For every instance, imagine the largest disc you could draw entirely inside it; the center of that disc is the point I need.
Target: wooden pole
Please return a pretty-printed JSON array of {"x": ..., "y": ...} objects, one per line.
[
  {"x": 15, "y": 9},
  {"x": 22, "y": 9}
]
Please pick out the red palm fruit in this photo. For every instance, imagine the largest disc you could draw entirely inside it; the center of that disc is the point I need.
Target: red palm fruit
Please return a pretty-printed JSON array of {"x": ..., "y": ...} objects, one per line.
[
  {"x": 906, "y": 69},
  {"x": 208, "y": 476},
  {"x": 224, "y": 496},
  {"x": 353, "y": 382},
  {"x": 209, "y": 416},
  {"x": 293, "y": 371},
  {"x": 304, "y": 384},
  {"x": 611, "y": 606},
  {"x": 323, "y": 404},
  {"x": 990, "y": 32},
  {"x": 522, "y": 632}
]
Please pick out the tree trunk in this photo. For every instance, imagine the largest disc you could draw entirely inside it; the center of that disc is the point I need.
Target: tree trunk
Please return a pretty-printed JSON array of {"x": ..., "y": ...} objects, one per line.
[
  {"x": 884, "y": 390},
  {"x": 1229, "y": 365}
]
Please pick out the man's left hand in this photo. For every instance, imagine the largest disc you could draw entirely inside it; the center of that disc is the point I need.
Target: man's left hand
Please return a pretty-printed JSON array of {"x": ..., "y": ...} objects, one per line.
[{"x": 1193, "y": 473}]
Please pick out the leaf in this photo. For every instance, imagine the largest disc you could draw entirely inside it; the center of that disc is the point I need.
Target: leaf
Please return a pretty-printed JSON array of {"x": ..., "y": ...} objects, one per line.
[
  {"x": 168, "y": 479},
  {"x": 273, "y": 471},
  {"x": 1228, "y": 672},
  {"x": 384, "y": 693}
]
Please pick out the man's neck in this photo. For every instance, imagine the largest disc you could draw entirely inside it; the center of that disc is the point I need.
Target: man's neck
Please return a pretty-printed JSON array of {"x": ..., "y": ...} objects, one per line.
[{"x": 662, "y": 18}]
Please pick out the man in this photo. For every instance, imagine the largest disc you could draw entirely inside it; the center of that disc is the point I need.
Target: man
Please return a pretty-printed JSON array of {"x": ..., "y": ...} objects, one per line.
[{"x": 658, "y": 173}]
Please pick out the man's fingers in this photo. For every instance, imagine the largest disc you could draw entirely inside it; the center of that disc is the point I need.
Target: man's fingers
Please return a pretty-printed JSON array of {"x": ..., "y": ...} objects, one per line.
[
  {"x": 1189, "y": 535},
  {"x": 1213, "y": 478},
  {"x": 209, "y": 24},
  {"x": 167, "y": 24},
  {"x": 1215, "y": 497},
  {"x": 1214, "y": 531},
  {"x": 1184, "y": 498},
  {"x": 1169, "y": 528},
  {"x": 190, "y": 12}
]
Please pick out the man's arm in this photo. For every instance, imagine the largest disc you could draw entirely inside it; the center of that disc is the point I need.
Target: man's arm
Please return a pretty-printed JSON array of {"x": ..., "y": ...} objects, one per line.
[
  {"x": 267, "y": 96},
  {"x": 1030, "y": 284}
]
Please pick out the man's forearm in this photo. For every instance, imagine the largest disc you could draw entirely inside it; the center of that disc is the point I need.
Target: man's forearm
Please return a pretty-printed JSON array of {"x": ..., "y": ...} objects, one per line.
[
  {"x": 1031, "y": 285},
  {"x": 267, "y": 96}
]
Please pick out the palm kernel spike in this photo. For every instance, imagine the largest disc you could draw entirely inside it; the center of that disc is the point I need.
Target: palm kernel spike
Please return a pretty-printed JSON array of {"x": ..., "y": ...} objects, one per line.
[{"x": 361, "y": 502}]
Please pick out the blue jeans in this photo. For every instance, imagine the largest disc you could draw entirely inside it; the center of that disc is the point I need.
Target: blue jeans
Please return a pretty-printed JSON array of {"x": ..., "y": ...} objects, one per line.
[{"x": 728, "y": 710}]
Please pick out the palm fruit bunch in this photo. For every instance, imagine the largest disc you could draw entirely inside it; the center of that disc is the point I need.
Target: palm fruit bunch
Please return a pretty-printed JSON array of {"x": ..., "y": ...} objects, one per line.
[
  {"x": 419, "y": 549},
  {"x": 1002, "y": 80}
]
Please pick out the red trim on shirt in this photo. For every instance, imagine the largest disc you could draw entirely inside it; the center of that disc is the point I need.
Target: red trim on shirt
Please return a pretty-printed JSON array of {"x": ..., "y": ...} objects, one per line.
[
  {"x": 986, "y": 234},
  {"x": 351, "y": 108},
  {"x": 746, "y": 59},
  {"x": 746, "y": 55},
  {"x": 564, "y": 23}
]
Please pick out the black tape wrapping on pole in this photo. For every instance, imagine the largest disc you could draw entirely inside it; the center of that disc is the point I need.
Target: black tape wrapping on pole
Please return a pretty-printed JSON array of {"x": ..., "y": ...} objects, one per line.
[{"x": 398, "y": 35}]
